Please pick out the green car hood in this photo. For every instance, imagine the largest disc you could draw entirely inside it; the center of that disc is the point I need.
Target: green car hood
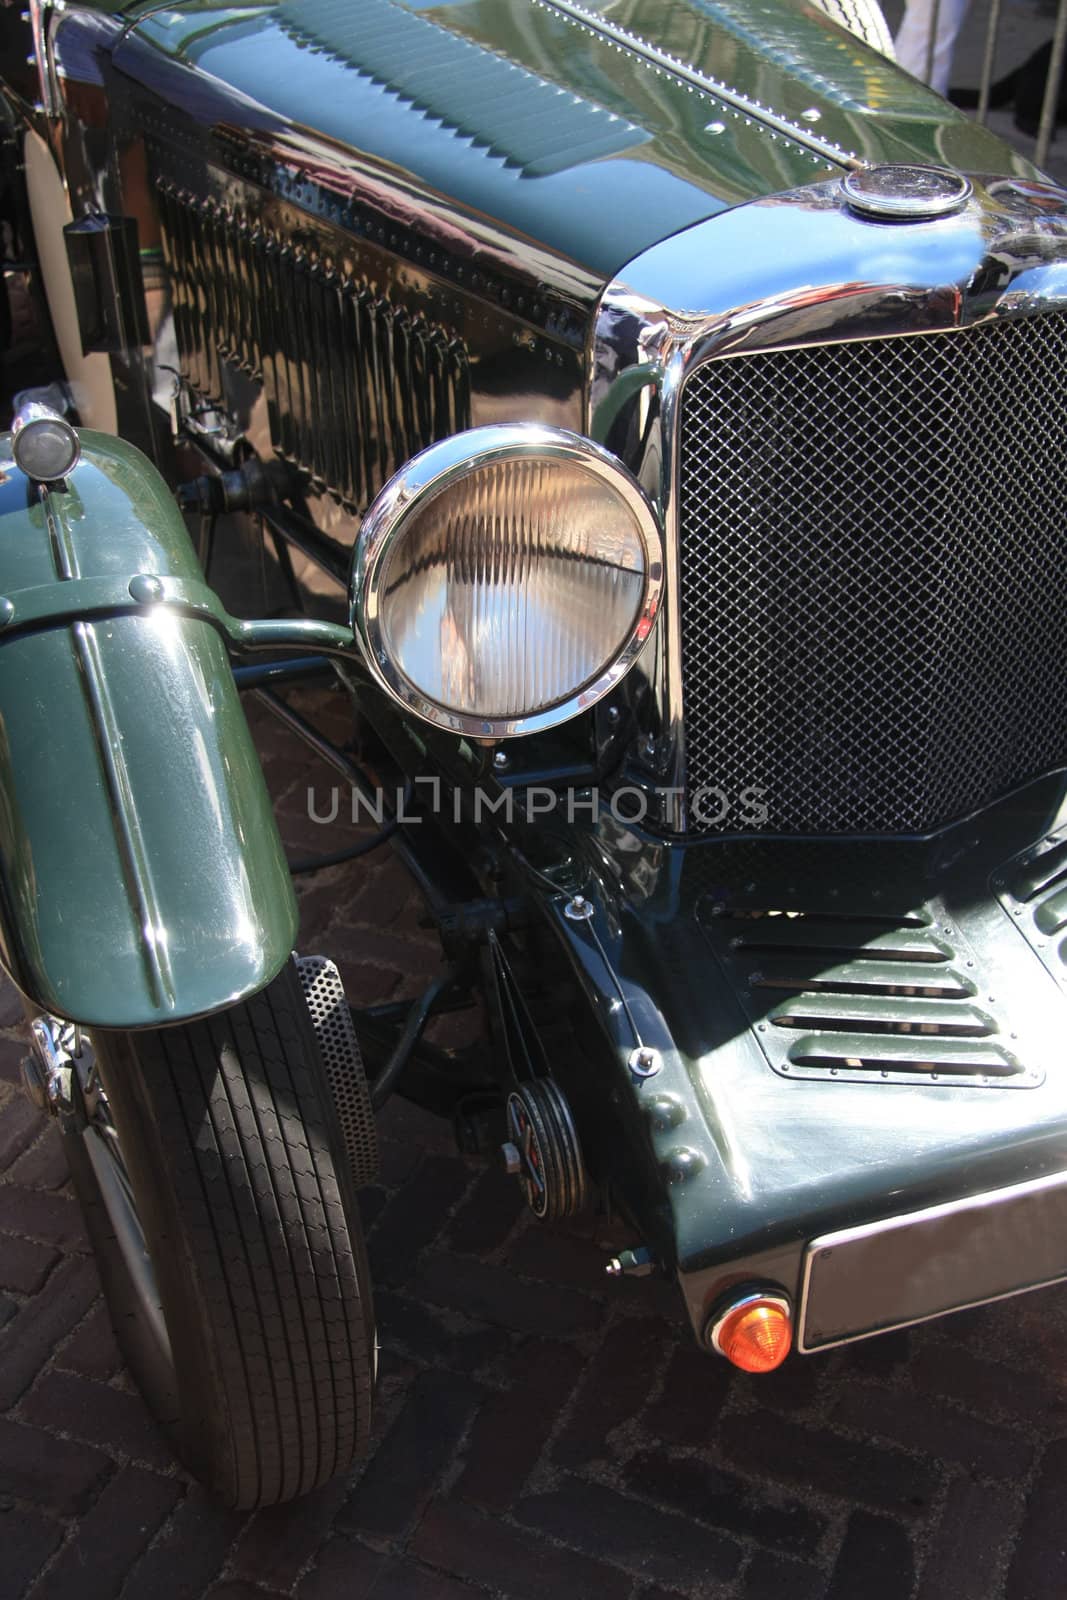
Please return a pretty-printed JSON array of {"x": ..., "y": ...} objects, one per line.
[{"x": 595, "y": 130}]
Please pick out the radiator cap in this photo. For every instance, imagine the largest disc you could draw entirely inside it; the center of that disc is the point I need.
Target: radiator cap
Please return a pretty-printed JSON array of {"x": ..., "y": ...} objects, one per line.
[{"x": 905, "y": 194}]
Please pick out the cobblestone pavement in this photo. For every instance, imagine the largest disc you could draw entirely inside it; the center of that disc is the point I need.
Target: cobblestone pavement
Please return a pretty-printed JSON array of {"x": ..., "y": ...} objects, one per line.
[{"x": 541, "y": 1430}]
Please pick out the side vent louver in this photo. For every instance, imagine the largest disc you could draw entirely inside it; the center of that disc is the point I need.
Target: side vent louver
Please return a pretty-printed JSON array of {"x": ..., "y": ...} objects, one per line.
[
  {"x": 863, "y": 999},
  {"x": 1033, "y": 890},
  {"x": 355, "y": 384}
]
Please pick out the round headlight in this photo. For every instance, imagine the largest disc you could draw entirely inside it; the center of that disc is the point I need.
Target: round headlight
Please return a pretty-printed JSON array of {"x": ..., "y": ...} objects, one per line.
[{"x": 506, "y": 578}]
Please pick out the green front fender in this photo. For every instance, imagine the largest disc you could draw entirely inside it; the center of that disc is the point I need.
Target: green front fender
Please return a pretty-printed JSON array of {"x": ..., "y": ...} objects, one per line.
[{"x": 142, "y": 879}]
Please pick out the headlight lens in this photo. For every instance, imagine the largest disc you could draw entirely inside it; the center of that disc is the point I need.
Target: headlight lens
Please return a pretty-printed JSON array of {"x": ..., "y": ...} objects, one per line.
[{"x": 506, "y": 578}]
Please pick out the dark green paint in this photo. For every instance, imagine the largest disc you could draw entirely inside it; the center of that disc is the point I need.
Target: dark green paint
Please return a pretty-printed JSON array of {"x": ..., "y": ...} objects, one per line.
[
  {"x": 726, "y": 1158},
  {"x": 142, "y": 875},
  {"x": 313, "y": 65}
]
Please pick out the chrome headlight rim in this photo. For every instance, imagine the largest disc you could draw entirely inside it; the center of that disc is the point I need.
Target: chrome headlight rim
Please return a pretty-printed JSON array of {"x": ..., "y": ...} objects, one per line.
[{"x": 430, "y": 473}]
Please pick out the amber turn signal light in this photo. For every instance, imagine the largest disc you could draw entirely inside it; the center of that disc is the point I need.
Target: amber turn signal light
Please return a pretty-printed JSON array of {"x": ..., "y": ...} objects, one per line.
[{"x": 754, "y": 1333}]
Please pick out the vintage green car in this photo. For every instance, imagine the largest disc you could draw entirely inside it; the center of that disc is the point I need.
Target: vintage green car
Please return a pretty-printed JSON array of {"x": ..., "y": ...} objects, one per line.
[{"x": 653, "y": 412}]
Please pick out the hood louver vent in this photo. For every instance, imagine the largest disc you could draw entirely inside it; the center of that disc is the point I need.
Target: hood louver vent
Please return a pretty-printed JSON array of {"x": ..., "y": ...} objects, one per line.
[
  {"x": 502, "y": 108},
  {"x": 861, "y": 999},
  {"x": 355, "y": 384}
]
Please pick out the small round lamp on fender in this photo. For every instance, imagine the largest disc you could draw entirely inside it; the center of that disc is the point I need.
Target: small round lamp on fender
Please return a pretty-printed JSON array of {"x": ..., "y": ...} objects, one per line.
[
  {"x": 754, "y": 1331},
  {"x": 45, "y": 445}
]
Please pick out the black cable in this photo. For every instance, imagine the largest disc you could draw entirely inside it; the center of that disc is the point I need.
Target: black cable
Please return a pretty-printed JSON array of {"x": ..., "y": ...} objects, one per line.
[
  {"x": 418, "y": 1016},
  {"x": 363, "y": 848}
]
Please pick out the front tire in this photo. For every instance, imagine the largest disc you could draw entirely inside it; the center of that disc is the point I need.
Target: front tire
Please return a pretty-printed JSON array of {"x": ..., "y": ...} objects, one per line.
[{"x": 242, "y": 1304}]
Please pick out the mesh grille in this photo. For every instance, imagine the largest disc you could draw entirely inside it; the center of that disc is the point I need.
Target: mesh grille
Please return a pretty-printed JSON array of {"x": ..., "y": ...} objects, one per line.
[{"x": 873, "y": 582}]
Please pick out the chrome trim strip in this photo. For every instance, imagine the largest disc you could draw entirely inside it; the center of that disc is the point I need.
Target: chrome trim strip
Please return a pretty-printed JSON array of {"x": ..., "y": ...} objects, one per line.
[
  {"x": 789, "y": 270},
  {"x": 737, "y": 101},
  {"x": 975, "y": 1202}
]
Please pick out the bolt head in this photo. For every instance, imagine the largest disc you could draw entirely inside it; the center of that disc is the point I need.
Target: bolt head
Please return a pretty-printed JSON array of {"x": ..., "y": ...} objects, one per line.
[
  {"x": 146, "y": 589},
  {"x": 578, "y": 909},
  {"x": 501, "y": 760},
  {"x": 645, "y": 1062}
]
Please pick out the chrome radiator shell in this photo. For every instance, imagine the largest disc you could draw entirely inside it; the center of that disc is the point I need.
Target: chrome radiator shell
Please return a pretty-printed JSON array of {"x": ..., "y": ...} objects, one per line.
[{"x": 799, "y": 280}]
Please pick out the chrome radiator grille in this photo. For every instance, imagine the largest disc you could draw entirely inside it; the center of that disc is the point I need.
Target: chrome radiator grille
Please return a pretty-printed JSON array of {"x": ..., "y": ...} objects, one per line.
[
  {"x": 873, "y": 552},
  {"x": 355, "y": 384}
]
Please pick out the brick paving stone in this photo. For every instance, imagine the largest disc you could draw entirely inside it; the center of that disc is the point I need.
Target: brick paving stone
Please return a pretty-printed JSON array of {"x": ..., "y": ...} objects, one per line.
[
  {"x": 91, "y": 1349},
  {"x": 510, "y": 1431},
  {"x": 11, "y": 1054},
  {"x": 510, "y": 1561},
  {"x": 24, "y": 1265},
  {"x": 707, "y": 1494},
  {"x": 188, "y": 1553},
  {"x": 421, "y": 1443},
  {"x": 614, "y": 1389},
  {"x": 402, "y": 1581},
  {"x": 616, "y": 1527},
  {"x": 814, "y": 1458},
  {"x": 8, "y": 1309},
  {"x": 875, "y": 1561},
  {"x": 278, "y": 1542},
  {"x": 937, "y": 1430},
  {"x": 1039, "y": 1396},
  {"x": 555, "y": 1256},
  {"x": 372, "y": 1201},
  {"x": 881, "y": 1357},
  {"x": 27, "y": 1540},
  {"x": 1039, "y": 1570},
  {"x": 344, "y": 1570},
  {"x": 109, "y": 1541},
  {"x": 56, "y": 1473},
  {"x": 44, "y": 1164},
  {"x": 694, "y": 1389},
  {"x": 92, "y": 1411},
  {"x": 495, "y": 1295},
  {"x": 11, "y": 1012},
  {"x": 33, "y": 1334},
  {"x": 20, "y": 1125},
  {"x": 485, "y": 1219},
  {"x": 34, "y": 1214},
  {"x": 966, "y": 1548},
  {"x": 235, "y": 1589},
  {"x": 793, "y": 1387},
  {"x": 770, "y": 1577},
  {"x": 422, "y": 1332},
  {"x": 397, "y": 1159},
  {"x": 414, "y": 1217}
]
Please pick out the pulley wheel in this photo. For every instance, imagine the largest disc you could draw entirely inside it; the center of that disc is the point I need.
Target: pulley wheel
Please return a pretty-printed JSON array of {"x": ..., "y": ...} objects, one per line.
[{"x": 550, "y": 1166}]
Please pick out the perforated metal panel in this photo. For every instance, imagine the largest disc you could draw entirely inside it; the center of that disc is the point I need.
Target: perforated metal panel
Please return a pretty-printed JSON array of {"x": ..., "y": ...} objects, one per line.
[
  {"x": 873, "y": 576},
  {"x": 332, "y": 1022}
]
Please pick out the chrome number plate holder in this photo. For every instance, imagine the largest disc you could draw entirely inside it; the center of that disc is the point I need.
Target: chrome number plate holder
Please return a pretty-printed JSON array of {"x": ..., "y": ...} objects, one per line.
[{"x": 902, "y": 1270}]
